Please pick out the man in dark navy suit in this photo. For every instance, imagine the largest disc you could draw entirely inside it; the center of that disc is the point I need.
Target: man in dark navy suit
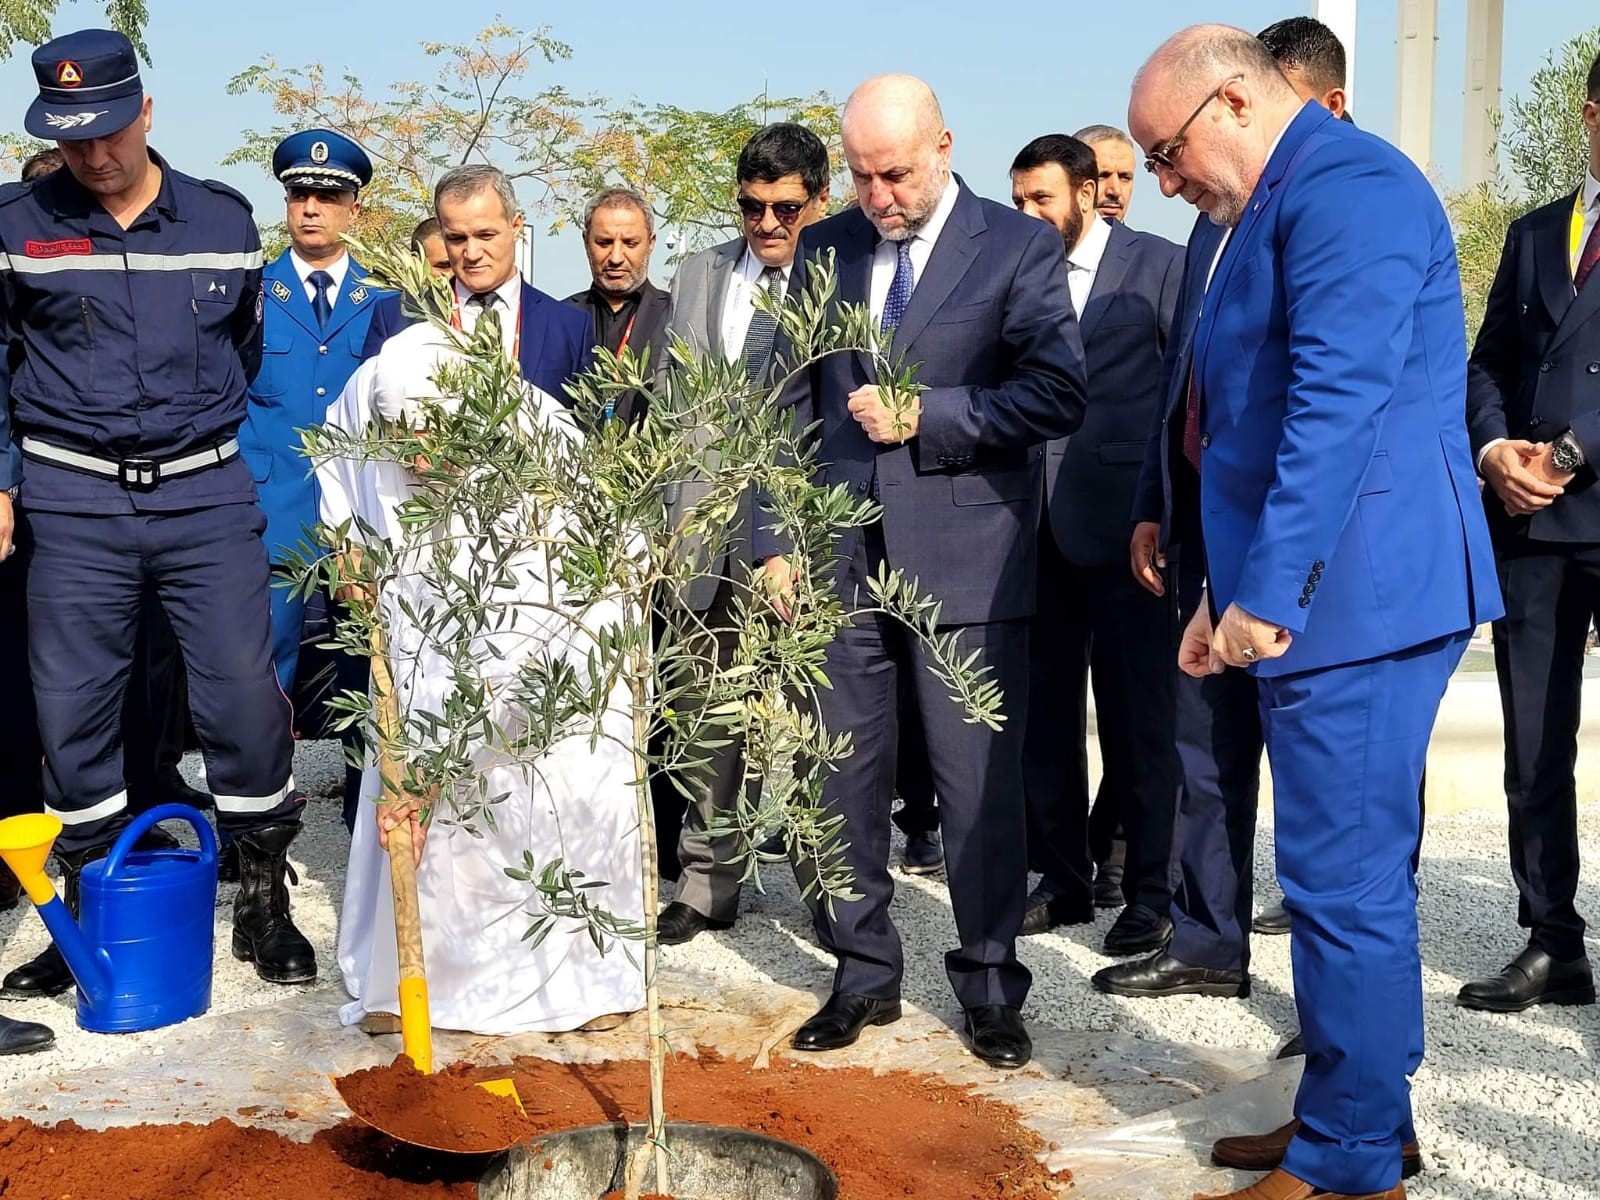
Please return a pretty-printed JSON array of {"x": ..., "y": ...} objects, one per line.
[
  {"x": 1093, "y": 618},
  {"x": 1533, "y": 404},
  {"x": 481, "y": 223},
  {"x": 977, "y": 295}
]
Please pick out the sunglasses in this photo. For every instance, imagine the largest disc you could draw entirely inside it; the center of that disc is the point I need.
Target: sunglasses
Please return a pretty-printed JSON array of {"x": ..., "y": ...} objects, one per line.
[
  {"x": 1162, "y": 154},
  {"x": 787, "y": 211}
]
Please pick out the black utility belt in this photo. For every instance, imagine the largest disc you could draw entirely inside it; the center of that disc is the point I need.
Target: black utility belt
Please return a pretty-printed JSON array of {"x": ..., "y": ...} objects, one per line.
[{"x": 134, "y": 474}]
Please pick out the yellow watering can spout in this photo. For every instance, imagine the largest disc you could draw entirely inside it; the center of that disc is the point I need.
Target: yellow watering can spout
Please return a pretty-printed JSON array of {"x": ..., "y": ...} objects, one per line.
[{"x": 25, "y": 843}]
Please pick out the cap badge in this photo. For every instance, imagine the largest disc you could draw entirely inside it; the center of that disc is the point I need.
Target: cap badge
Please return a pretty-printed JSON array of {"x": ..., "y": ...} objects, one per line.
[
  {"x": 319, "y": 152},
  {"x": 68, "y": 73}
]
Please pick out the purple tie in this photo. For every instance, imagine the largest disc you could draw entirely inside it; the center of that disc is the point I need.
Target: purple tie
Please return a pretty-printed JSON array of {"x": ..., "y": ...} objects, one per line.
[{"x": 1588, "y": 259}]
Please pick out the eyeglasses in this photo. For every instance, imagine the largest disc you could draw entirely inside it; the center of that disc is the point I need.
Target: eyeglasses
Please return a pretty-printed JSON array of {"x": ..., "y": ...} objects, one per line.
[
  {"x": 1160, "y": 158},
  {"x": 787, "y": 211}
]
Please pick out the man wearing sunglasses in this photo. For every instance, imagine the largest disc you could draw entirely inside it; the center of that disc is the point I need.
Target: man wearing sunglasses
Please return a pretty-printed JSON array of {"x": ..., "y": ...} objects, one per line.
[
  {"x": 1347, "y": 558},
  {"x": 782, "y": 178}
]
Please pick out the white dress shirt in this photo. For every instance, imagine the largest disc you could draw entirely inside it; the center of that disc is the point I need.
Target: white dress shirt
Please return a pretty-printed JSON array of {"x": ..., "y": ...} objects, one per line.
[
  {"x": 922, "y": 242},
  {"x": 1083, "y": 264},
  {"x": 739, "y": 305},
  {"x": 507, "y": 303},
  {"x": 337, "y": 271}
]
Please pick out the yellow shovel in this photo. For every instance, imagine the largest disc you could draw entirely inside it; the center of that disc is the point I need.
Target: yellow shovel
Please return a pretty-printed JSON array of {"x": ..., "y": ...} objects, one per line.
[{"x": 416, "y": 1027}]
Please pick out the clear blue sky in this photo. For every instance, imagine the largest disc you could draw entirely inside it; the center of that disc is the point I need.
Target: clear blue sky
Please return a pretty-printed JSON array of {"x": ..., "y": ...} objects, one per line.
[{"x": 1004, "y": 72}]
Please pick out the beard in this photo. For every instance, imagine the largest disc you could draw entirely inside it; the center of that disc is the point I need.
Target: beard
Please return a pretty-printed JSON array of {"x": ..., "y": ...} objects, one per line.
[
  {"x": 1072, "y": 231},
  {"x": 916, "y": 216},
  {"x": 633, "y": 283}
]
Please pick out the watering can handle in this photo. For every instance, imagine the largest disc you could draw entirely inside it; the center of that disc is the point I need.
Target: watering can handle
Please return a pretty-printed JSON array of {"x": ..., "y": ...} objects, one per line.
[{"x": 145, "y": 821}]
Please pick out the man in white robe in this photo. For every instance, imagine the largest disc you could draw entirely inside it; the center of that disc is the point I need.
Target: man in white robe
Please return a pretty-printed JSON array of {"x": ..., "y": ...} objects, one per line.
[{"x": 574, "y": 803}]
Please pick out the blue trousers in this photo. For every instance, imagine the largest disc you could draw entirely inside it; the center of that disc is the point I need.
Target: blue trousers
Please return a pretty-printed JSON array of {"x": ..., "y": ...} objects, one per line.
[
  {"x": 1347, "y": 746},
  {"x": 208, "y": 568}
]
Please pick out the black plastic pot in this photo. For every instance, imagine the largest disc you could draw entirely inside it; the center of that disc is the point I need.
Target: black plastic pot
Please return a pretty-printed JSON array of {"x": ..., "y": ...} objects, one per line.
[{"x": 708, "y": 1162}]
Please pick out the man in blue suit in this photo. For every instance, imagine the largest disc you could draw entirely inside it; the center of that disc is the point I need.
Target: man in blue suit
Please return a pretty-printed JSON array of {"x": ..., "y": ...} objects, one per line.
[
  {"x": 317, "y": 306},
  {"x": 977, "y": 295},
  {"x": 482, "y": 224},
  {"x": 1094, "y": 620},
  {"x": 1533, "y": 404},
  {"x": 1347, "y": 557}
]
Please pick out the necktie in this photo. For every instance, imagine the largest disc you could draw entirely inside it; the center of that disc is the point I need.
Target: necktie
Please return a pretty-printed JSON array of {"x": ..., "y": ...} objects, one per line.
[
  {"x": 1191, "y": 425},
  {"x": 1588, "y": 260},
  {"x": 320, "y": 282},
  {"x": 894, "y": 304},
  {"x": 763, "y": 325}
]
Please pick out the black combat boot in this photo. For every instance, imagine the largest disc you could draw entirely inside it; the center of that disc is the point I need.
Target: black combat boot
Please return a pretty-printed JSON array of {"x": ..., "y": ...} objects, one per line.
[
  {"x": 46, "y": 974},
  {"x": 263, "y": 932},
  {"x": 24, "y": 1037}
]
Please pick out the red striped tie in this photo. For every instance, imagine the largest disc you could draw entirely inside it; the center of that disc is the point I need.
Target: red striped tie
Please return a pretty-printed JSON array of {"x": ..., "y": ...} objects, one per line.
[
  {"x": 1588, "y": 259},
  {"x": 1191, "y": 426}
]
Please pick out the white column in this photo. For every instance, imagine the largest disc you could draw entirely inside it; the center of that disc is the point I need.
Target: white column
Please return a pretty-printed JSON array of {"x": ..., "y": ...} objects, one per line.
[
  {"x": 1485, "y": 32},
  {"x": 1413, "y": 109},
  {"x": 1340, "y": 16}
]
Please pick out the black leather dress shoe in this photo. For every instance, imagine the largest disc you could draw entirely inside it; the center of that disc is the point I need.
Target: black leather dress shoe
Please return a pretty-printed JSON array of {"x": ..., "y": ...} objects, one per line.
[
  {"x": 924, "y": 853},
  {"x": 839, "y": 1022},
  {"x": 1272, "y": 922},
  {"x": 1532, "y": 977},
  {"x": 24, "y": 1037},
  {"x": 1046, "y": 910},
  {"x": 678, "y": 923},
  {"x": 1138, "y": 929},
  {"x": 998, "y": 1036},
  {"x": 1108, "y": 886},
  {"x": 1163, "y": 975}
]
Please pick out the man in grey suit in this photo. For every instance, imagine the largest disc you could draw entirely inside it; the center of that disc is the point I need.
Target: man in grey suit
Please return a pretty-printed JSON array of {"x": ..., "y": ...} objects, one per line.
[{"x": 782, "y": 177}]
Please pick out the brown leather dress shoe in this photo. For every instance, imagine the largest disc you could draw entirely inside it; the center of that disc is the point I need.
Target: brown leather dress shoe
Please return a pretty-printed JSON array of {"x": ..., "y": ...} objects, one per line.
[
  {"x": 1265, "y": 1151},
  {"x": 1281, "y": 1185}
]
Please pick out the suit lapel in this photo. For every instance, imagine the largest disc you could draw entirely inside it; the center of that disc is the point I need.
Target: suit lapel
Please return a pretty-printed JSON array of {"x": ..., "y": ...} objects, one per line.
[
  {"x": 1584, "y": 309},
  {"x": 531, "y": 328},
  {"x": 354, "y": 297},
  {"x": 947, "y": 265},
  {"x": 286, "y": 292},
  {"x": 1108, "y": 278},
  {"x": 853, "y": 264},
  {"x": 1553, "y": 262},
  {"x": 1305, "y": 123}
]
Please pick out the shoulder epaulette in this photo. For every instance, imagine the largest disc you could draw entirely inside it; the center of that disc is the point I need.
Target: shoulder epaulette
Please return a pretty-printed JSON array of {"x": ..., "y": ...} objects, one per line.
[{"x": 223, "y": 189}]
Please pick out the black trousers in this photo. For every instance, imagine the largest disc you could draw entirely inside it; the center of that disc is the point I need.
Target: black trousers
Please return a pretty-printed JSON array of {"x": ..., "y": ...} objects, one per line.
[
  {"x": 1097, "y": 623},
  {"x": 1552, "y": 596},
  {"x": 155, "y": 710},
  {"x": 977, "y": 774}
]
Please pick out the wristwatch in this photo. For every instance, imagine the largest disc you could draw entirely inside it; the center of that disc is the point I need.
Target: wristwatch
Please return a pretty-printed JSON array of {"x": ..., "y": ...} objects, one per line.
[{"x": 1565, "y": 453}]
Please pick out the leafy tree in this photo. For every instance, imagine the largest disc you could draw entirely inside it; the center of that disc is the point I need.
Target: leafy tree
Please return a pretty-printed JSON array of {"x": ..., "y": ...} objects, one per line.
[
  {"x": 1546, "y": 145},
  {"x": 477, "y": 109},
  {"x": 504, "y": 496},
  {"x": 29, "y": 22}
]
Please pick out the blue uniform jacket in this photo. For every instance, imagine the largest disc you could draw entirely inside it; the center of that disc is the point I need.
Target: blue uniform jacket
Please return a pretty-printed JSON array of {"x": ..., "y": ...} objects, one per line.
[
  {"x": 303, "y": 370},
  {"x": 1337, "y": 488},
  {"x": 129, "y": 343}
]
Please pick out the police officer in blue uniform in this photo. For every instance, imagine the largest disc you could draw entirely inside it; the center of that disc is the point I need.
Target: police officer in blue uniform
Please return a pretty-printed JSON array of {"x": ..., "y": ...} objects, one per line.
[
  {"x": 317, "y": 308},
  {"x": 132, "y": 309}
]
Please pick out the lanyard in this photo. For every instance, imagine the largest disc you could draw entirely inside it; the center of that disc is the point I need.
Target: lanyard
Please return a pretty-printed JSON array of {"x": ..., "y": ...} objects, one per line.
[
  {"x": 1576, "y": 240},
  {"x": 627, "y": 332},
  {"x": 516, "y": 339}
]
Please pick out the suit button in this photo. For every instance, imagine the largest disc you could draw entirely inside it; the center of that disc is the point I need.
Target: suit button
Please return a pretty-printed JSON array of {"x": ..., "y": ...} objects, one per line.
[
  {"x": 1318, "y": 565},
  {"x": 1535, "y": 422},
  {"x": 1593, "y": 368},
  {"x": 1544, "y": 367},
  {"x": 1205, "y": 441},
  {"x": 322, "y": 391},
  {"x": 322, "y": 349},
  {"x": 1305, "y": 601},
  {"x": 861, "y": 488},
  {"x": 1308, "y": 589},
  {"x": 1315, "y": 576}
]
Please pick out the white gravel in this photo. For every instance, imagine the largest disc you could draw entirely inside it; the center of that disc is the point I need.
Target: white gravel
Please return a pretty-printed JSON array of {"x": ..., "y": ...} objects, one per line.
[{"x": 1506, "y": 1106}]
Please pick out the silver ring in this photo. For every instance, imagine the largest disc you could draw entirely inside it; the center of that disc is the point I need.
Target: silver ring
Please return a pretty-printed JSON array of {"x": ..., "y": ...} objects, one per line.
[{"x": 1248, "y": 654}]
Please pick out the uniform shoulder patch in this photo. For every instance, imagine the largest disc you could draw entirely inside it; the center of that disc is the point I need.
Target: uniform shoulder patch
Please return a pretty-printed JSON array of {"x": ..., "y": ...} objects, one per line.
[
  {"x": 360, "y": 294},
  {"x": 280, "y": 291}
]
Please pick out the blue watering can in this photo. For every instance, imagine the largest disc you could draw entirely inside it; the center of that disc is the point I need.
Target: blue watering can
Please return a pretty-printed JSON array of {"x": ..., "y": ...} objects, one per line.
[{"x": 142, "y": 957}]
